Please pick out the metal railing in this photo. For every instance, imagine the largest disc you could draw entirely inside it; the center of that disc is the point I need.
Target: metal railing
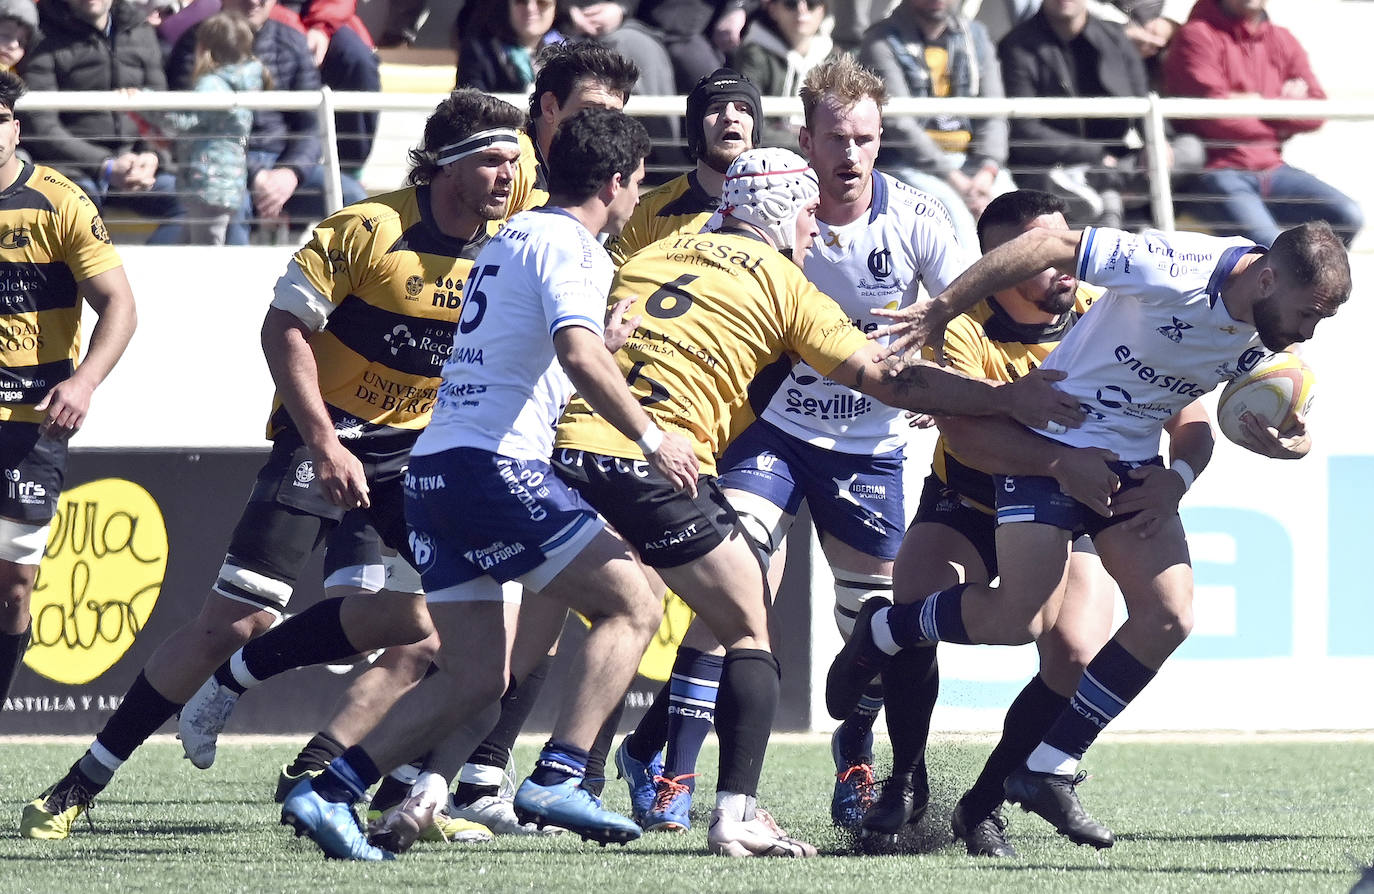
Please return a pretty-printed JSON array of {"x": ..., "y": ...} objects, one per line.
[{"x": 1151, "y": 110}]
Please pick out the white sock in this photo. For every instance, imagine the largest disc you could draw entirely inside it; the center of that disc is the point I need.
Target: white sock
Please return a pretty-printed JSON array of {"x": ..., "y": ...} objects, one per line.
[
  {"x": 1048, "y": 759},
  {"x": 406, "y": 773},
  {"x": 736, "y": 806},
  {"x": 882, "y": 634},
  {"x": 479, "y": 774},
  {"x": 431, "y": 787},
  {"x": 239, "y": 669}
]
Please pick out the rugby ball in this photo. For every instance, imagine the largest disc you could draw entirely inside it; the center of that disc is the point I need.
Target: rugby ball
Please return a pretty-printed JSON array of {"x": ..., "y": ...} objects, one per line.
[{"x": 1276, "y": 390}]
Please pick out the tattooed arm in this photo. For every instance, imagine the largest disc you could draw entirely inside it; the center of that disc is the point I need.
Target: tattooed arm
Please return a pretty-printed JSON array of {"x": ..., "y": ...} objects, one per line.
[{"x": 924, "y": 387}]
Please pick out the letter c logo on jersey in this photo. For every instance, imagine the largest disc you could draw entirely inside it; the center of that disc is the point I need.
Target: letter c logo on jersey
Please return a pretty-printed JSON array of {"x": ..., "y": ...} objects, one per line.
[
  {"x": 880, "y": 263},
  {"x": 101, "y": 576},
  {"x": 1118, "y": 398},
  {"x": 15, "y": 238}
]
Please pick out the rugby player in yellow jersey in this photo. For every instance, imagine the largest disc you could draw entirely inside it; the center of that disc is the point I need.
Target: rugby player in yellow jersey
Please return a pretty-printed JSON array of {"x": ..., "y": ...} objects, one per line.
[
  {"x": 357, "y": 333},
  {"x": 724, "y": 118},
  {"x": 56, "y": 253},
  {"x": 572, "y": 77},
  {"x": 951, "y": 538},
  {"x": 715, "y": 309}
]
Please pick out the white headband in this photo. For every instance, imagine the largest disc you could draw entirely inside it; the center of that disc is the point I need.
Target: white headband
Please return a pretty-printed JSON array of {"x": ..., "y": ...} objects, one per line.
[{"x": 476, "y": 143}]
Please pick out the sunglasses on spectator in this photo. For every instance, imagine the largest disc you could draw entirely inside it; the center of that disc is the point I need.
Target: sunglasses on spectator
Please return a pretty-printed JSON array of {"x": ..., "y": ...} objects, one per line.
[
  {"x": 792, "y": 5},
  {"x": 542, "y": 4}
]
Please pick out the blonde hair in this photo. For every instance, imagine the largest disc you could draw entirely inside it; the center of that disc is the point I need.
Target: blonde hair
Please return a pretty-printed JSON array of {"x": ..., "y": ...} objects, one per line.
[
  {"x": 842, "y": 81},
  {"x": 223, "y": 39}
]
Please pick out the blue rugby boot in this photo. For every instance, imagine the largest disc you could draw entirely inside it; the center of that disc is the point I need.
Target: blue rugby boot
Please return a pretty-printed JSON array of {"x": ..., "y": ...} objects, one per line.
[
  {"x": 639, "y": 776},
  {"x": 331, "y": 825},
  {"x": 568, "y": 805},
  {"x": 672, "y": 807}
]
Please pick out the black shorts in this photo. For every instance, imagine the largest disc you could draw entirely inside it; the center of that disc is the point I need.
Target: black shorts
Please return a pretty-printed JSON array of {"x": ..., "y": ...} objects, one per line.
[
  {"x": 288, "y": 514},
  {"x": 35, "y": 468},
  {"x": 665, "y": 525},
  {"x": 353, "y": 543},
  {"x": 942, "y": 505}
]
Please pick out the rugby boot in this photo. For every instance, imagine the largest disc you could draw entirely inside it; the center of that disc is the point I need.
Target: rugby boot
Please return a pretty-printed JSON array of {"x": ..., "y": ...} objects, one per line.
[
  {"x": 286, "y": 781},
  {"x": 52, "y": 814},
  {"x": 672, "y": 807},
  {"x": 497, "y": 814},
  {"x": 857, "y": 663},
  {"x": 202, "y": 719},
  {"x": 1054, "y": 797},
  {"x": 571, "y": 807},
  {"x": 986, "y": 837},
  {"x": 639, "y": 776},
  {"x": 331, "y": 825},
  {"x": 854, "y": 785},
  {"x": 758, "y": 837},
  {"x": 901, "y": 803}
]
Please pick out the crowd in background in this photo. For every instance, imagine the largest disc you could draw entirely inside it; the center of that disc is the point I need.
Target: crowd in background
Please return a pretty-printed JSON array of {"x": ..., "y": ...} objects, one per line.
[{"x": 213, "y": 178}]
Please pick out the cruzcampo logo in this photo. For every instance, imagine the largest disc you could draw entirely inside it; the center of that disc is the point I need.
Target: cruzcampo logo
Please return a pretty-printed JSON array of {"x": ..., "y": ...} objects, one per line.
[{"x": 100, "y": 578}]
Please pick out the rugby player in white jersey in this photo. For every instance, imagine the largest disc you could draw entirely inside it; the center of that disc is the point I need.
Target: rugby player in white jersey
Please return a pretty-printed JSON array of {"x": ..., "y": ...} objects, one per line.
[
  {"x": 1183, "y": 312},
  {"x": 484, "y": 506},
  {"x": 817, "y": 440}
]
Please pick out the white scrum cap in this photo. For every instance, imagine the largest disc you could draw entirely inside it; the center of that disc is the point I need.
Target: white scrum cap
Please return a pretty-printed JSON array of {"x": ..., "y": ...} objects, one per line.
[{"x": 767, "y": 188}]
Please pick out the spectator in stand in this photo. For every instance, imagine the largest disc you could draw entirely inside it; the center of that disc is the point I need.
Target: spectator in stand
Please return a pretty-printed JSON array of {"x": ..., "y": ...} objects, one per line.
[
  {"x": 927, "y": 49},
  {"x": 285, "y": 177},
  {"x": 1096, "y": 164},
  {"x": 700, "y": 35},
  {"x": 1150, "y": 24},
  {"x": 780, "y": 46},
  {"x": 340, "y": 46},
  {"x": 612, "y": 24},
  {"x": 18, "y": 22},
  {"x": 1229, "y": 48},
  {"x": 214, "y": 163},
  {"x": 497, "y": 54},
  {"x": 114, "y": 156}
]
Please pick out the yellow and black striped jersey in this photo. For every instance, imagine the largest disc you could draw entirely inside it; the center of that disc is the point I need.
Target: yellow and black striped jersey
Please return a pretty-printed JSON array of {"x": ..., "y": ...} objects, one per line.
[
  {"x": 393, "y": 283},
  {"x": 51, "y": 240},
  {"x": 985, "y": 342},
  {"x": 717, "y": 309},
  {"x": 678, "y": 206},
  {"x": 531, "y": 186}
]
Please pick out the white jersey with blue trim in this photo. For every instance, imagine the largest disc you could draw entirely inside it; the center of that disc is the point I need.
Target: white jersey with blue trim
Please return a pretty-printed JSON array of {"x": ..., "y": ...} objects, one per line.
[
  {"x": 875, "y": 261},
  {"x": 503, "y": 387},
  {"x": 1159, "y": 337}
]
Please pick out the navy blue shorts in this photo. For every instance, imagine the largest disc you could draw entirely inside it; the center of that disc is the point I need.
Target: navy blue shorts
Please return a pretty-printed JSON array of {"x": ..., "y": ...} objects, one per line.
[
  {"x": 1032, "y": 498},
  {"x": 856, "y": 499},
  {"x": 473, "y": 513}
]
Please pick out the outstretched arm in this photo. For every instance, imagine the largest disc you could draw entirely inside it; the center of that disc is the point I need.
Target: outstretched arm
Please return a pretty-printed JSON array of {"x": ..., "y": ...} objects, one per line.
[{"x": 1023, "y": 257}]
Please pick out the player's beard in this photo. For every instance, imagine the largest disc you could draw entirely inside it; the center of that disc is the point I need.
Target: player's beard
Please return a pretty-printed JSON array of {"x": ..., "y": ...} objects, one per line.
[
  {"x": 1267, "y": 324},
  {"x": 719, "y": 158},
  {"x": 1056, "y": 301}
]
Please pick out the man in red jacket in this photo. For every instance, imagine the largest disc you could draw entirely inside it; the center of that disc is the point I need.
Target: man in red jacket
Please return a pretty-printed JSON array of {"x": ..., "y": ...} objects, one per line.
[{"x": 1229, "y": 48}]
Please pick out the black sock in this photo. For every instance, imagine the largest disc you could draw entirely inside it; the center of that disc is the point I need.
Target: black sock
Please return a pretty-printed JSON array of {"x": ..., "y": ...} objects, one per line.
[
  {"x": 745, "y": 708},
  {"x": 516, "y": 705},
  {"x": 911, "y": 685},
  {"x": 315, "y": 636},
  {"x": 467, "y": 792},
  {"x": 138, "y": 716},
  {"x": 594, "y": 780},
  {"x": 316, "y": 755},
  {"x": 391, "y": 792},
  {"x": 852, "y": 738},
  {"x": 348, "y": 778},
  {"x": 1028, "y": 719},
  {"x": 12, "y": 648},
  {"x": 559, "y": 762},
  {"x": 651, "y": 733}
]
